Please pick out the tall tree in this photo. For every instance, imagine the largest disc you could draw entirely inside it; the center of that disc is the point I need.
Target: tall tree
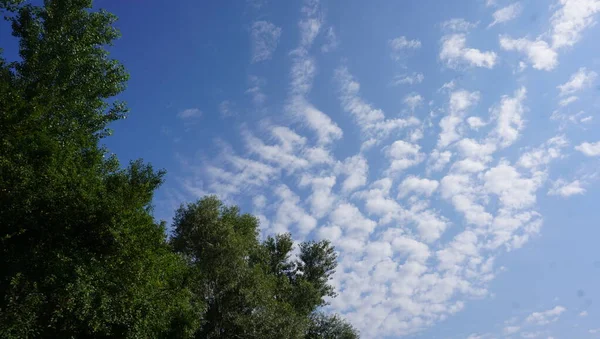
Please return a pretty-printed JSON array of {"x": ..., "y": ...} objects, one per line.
[
  {"x": 253, "y": 289},
  {"x": 80, "y": 254}
]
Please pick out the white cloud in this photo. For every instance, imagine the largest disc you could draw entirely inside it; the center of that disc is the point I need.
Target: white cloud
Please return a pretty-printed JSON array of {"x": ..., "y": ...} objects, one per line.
[
  {"x": 457, "y": 25},
  {"x": 589, "y": 149},
  {"x": 583, "y": 314},
  {"x": 508, "y": 330},
  {"x": 409, "y": 79},
  {"x": 509, "y": 118},
  {"x": 289, "y": 212},
  {"x": 356, "y": 169},
  {"x": 331, "y": 41},
  {"x": 460, "y": 101},
  {"x": 413, "y": 100},
  {"x": 580, "y": 80},
  {"x": 566, "y": 189},
  {"x": 256, "y": 89},
  {"x": 371, "y": 120},
  {"x": 438, "y": 160},
  {"x": 567, "y": 101},
  {"x": 403, "y": 155},
  {"x": 226, "y": 108},
  {"x": 594, "y": 331},
  {"x": 539, "y": 53},
  {"x": 475, "y": 122},
  {"x": 545, "y": 317},
  {"x": 321, "y": 198},
  {"x": 569, "y": 21},
  {"x": 189, "y": 113},
  {"x": 513, "y": 190},
  {"x": 536, "y": 159},
  {"x": 417, "y": 185},
  {"x": 401, "y": 44},
  {"x": 265, "y": 37},
  {"x": 507, "y": 13},
  {"x": 455, "y": 53}
]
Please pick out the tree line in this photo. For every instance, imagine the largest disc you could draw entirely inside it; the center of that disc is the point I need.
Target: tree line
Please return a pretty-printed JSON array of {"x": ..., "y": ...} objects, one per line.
[{"x": 81, "y": 255}]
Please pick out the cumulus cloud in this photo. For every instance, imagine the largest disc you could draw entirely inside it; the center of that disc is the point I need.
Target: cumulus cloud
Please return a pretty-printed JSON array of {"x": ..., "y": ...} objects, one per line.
[
  {"x": 413, "y": 100},
  {"x": 256, "y": 89},
  {"x": 580, "y": 80},
  {"x": 409, "y": 79},
  {"x": 458, "y": 25},
  {"x": 371, "y": 120},
  {"x": 331, "y": 41},
  {"x": 509, "y": 117},
  {"x": 566, "y": 189},
  {"x": 545, "y": 317},
  {"x": 454, "y": 53},
  {"x": 265, "y": 37},
  {"x": 590, "y": 149},
  {"x": 403, "y": 155},
  {"x": 460, "y": 101},
  {"x": 506, "y": 14},
  {"x": 401, "y": 44},
  {"x": 417, "y": 185},
  {"x": 189, "y": 113},
  {"x": 539, "y": 53},
  {"x": 569, "y": 21}
]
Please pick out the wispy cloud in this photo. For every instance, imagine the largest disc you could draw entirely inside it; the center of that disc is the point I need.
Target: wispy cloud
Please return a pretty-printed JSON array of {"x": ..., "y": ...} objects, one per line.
[
  {"x": 265, "y": 37},
  {"x": 506, "y": 14},
  {"x": 454, "y": 53},
  {"x": 189, "y": 113}
]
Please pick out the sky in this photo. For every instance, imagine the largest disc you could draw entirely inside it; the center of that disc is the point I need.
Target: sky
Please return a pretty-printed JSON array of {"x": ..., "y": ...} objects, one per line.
[{"x": 448, "y": 149}]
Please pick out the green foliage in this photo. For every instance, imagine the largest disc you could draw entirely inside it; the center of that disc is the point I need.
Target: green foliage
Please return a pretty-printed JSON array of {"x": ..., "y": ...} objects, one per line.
[
  {"x": 324, "y": 326},
  {"x": 80, "y": 252}
]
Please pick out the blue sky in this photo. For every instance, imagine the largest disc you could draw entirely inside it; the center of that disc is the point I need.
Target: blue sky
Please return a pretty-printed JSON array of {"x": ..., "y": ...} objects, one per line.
[{"x": 449, "y": 149}]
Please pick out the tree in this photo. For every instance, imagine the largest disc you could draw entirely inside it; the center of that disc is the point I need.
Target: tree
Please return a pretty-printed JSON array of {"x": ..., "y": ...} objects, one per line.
[
  {"x": 81, "y": 254},
  {"x": 323, "y": 326},
  {"x": 252, "y": 289}
]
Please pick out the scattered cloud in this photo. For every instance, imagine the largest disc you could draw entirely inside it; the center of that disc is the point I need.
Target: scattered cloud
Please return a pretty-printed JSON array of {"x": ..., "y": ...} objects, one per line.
[
  {"x": 256, "y": 90},
  {"x": 409, "y": 79},
  {"x": 226, "y": 108},
  {"x": 413, "y": 100},
  {"x": 509, "y": 117},
  {"x": 455, "y": 53},
  {"x": 401, "y": 44},
  {"x": 265, "y": 37},
  {"x": 580, "y": 80},
  {"x": 539, "y": 53},
  {"x": 189, "y": 113},
  {"x": 457, "y": 25},
  {"x": 566, "y": 189},
  {"x": 589, "y": 149},
  {"x": 569, "y": 21},
  {"x": 506, "y": 14},
  {"x": 545, "y": 317},
  {"x": 567, "y": 101},
  {"x": 331, "y": 41}
]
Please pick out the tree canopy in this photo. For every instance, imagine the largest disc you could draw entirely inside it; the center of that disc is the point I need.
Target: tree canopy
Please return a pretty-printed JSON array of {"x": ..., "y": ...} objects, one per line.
[{"x": 81, "y": 254}]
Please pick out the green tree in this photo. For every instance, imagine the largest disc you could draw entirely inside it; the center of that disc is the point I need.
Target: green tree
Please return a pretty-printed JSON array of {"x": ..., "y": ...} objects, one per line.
[
  {"x": 252, "y": 289},
  {"x": 80, "y": 254},
  {"x": 323, "y": 326}
]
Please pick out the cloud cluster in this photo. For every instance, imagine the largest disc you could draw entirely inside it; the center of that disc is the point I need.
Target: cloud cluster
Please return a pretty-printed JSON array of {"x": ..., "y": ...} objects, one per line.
[
  {"x": 418, "y": 223},
  {"x": 568, "y": 22}
]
